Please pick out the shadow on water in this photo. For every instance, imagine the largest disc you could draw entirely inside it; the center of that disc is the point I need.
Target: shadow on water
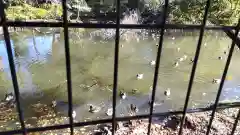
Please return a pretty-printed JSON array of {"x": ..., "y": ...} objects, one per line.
[{"x": 41, "y": 71}]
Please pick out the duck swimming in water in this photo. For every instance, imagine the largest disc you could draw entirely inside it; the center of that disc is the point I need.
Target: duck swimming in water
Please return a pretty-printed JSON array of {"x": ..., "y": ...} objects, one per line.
[
  {"x": 152, "y": 63},
  {"x": 93, "y": 109},
  {"x": 123, "y": 95},
  {"x": 217, "y": 81},
  {"x": 220, "y": 57},
  {"x": 180, "y": 59},
  {"x": 191, "y": 61},
  {"x": 185, "y": 57},
  {"x": 176, "y": 64},
  {"x": 139, "y": 76},
  {"x": 109, "y": 112},
  {"x": 133, "y": 108},
  {"x": 167, "y": 92}
]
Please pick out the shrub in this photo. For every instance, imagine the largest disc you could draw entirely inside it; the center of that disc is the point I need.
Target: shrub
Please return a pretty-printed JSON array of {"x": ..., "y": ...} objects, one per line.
[{"x": 25, "y": 12}]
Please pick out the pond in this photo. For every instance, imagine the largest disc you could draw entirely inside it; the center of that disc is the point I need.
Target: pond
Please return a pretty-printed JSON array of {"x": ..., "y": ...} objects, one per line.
[{"x": 40, "y": 64}]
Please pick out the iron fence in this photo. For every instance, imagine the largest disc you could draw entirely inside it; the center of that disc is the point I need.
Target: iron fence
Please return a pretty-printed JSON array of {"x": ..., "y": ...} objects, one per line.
[{"x": 232, "y": 32}]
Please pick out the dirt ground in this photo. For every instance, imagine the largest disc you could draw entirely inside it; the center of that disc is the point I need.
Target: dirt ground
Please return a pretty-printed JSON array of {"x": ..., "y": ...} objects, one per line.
[{"x": 195, "y": 124}]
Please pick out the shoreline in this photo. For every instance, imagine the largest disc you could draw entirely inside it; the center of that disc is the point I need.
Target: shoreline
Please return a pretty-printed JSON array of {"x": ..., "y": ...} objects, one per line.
[{"x": 195, "y": 123}]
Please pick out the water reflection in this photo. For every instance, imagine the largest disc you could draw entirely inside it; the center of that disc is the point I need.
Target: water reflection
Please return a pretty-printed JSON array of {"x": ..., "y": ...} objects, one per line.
[{"x": 40, "y": 66}]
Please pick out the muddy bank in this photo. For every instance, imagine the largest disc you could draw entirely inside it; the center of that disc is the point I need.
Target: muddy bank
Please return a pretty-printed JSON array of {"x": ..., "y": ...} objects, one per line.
[{"x": 195, "y": 124}]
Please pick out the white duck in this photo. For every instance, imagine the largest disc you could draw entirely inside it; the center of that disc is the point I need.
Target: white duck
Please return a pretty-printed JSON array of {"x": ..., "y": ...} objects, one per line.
[
  {"x": 123, "y": 95},
  {"x": 217, "y": 81},
  {"x": 139, "y": 76},
  {"x": 152, "y": 63},
  {"x": 167, "y": 92}
]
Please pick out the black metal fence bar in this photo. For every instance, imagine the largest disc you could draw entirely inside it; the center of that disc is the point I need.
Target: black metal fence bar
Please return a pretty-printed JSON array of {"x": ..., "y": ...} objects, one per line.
[
  {"x": 122, "y": 26},
  {"x": 235, "y": 123},
  {"x": 223, "y": 77},
  {"x": 79, "y": 124},
  {"x": 195, "y": 62},
  {"x": 155, "y": 79},
  {"x": 68, "y": 65},
  {"x": 115, "y": 77},
  {"x": 12, "y": 67}
]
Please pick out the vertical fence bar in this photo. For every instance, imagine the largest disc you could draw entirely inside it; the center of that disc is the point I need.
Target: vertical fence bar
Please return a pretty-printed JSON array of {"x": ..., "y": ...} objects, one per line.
[
  {"x": 223, "y": 77},
  {"x": 235, "y": 123},
  {"x": 68, "y": 64},
  {"x": 195, "y": 62},
  {"x": 115, "y": 74},
  {"x": 12, "y": 67},
  {"x": 155, "y": 79}
]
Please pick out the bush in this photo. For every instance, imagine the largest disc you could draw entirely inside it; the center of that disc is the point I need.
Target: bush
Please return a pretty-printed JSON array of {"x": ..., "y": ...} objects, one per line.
[
  {"x": 222, "y": 12},
  {"x": 25, "y": 12}
]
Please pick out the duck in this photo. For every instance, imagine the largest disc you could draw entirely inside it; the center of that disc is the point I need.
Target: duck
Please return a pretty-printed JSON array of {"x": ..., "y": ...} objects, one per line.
[
  {"x": 9, "y": 97},
  {"x": 184, "y": 57},
  {"x": 109, "y": 112},
  {"x": 123, "y": 95},
  {"x": 180, "y": 59},
  {"x": 93, "y": 109},
  {"x": 62, "y": 107},
  {"x": 176, "y": 64},
  {"x": 139, "y": 76},
  {"x": 167, "y": 92},
  {"x": 217, "y": 81},
  {"x": 205, "y": 44},
  {"x": 9, "y": 100},
  {"x": 133, "y": 108},
  {"x": 178, "y": 49},
  {"x": 74, "y": 114},
  {"x": 191, "y": 60},
  {"x": 152, "y": 63},
  {"x": 220, "y": 57}
]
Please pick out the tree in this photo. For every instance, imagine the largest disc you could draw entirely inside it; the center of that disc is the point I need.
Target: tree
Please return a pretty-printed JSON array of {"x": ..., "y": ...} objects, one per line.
[
  {"x": 222, "y": 12},
  {"x": 77, "y": 6}
]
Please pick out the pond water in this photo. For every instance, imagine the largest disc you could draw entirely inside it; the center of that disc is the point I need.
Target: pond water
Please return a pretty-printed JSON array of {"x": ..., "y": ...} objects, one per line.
[{"x": 41, "y": 70}]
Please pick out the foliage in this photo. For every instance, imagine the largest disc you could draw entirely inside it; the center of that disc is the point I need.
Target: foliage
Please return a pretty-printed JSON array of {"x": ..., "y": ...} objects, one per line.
[
  {"x": 78, "y": 5},
  {"x": 224, "y": 12},
  {"x": 26, "y": 12},
  {"x": 153, "y": 4},
  {"x": 221, "y": 11},
  {"x": 16, "y": 2}
]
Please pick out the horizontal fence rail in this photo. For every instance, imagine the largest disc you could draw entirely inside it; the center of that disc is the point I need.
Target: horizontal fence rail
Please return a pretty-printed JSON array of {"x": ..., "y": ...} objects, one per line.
[{"x": 231, "y": 31}]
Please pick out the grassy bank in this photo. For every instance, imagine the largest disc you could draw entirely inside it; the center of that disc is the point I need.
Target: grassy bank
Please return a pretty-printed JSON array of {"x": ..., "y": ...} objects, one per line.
[{"x": 28, "y": 12}]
